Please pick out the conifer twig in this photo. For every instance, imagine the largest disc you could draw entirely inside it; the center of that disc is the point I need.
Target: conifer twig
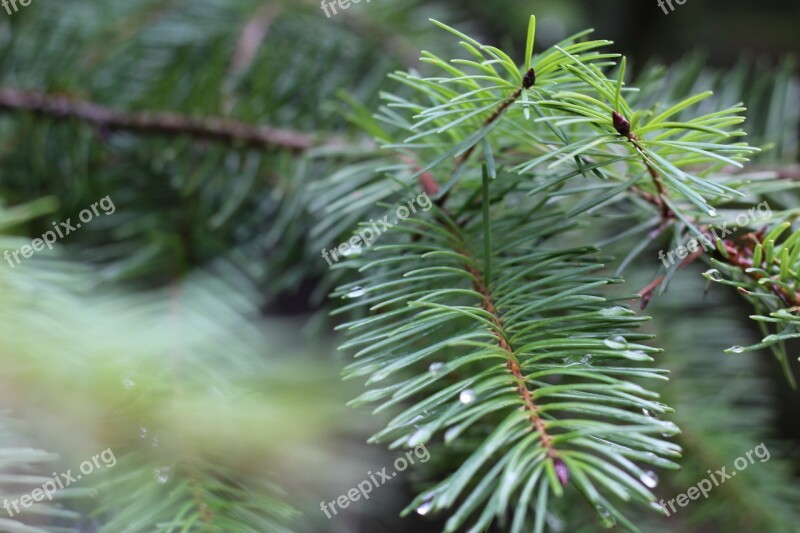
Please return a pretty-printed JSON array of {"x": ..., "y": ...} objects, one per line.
[
  {"x": 481, "y": 286},
  {"x": 528, "y": 81},
  {"x": 623, "y": 127}
]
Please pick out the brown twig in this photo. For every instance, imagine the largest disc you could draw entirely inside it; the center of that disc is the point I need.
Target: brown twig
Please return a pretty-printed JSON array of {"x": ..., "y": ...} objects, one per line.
[
  {"x": 739, "y": 254},
  {"x": 61, "y": 107}
]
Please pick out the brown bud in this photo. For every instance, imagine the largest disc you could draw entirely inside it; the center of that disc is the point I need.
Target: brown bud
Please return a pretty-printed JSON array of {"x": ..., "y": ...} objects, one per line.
[
  {"x": 621, "y": 124},
  {"x": 529, "y": 79}
]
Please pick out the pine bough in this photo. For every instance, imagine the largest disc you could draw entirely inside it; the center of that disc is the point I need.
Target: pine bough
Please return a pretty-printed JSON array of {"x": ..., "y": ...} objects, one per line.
[{"x": 482, "y": 325}]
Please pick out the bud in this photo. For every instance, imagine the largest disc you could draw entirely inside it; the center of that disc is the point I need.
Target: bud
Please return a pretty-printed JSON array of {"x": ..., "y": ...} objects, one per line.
[
  {"x": 621, "y": 124},
  {"x": 561, "y": 471},
  {"x": 529, "y": 79}
]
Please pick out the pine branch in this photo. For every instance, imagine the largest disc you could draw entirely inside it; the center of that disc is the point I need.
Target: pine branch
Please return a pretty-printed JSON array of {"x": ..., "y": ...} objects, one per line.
[{"x": 543, "y": 421}]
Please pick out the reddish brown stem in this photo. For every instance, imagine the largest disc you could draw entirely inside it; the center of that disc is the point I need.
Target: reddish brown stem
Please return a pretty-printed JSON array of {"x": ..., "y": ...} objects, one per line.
[
  {"x": 513, "y": 363},
  {"x": 480, "y": 286},
  {"x": 165, "y": 123}
]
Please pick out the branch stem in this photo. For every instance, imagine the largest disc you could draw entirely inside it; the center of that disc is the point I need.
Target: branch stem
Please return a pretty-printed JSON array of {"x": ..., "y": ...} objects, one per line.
[{"x": 61, "y": 107}]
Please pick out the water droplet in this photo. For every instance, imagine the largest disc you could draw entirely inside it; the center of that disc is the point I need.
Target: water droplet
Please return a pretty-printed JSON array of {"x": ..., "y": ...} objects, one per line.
[
  {"x": 617, "y": 342},
  {"x": 425, "y": 507},
  {"x": 636, "y": 355},
  {"x": 451, "y": 434},
  {"x": 616, "y": 311},
  {"x": 418, "y": 437},
  {"x": 604, "y": 517},
  {"x": 435, "y": 368},
  {"x": 128, "y": 383},
  {"x": 647, "y": 413},
  {"x": 712, "y": 212},
  {"x": 142, "y": 432},
  {"x": 736, "y": 349},
  {"x": 649, "y": 479},
  {"x": 162, "y": 474},
  {"x": 352, "y": 251},
  {"x": 659, "y": 508},
  {"x": 713, "y": 274},
  {"x": 669, "y": 428},
  {"x": 356, "y": 292},
  {"x": 467, "y": 396},
  {"x": 586, "y": 359},
  {"x": 155, "y": 442}
]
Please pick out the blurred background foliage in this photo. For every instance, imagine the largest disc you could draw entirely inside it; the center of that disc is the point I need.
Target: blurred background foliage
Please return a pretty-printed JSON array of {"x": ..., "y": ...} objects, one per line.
[{"x": 226, "y": 236}]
